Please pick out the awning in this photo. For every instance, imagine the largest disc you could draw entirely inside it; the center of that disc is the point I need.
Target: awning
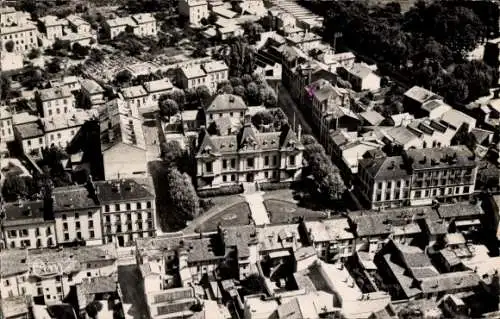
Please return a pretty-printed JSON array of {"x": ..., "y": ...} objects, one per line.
[
  {"x": 279, "y": 254},
  {"x": 473, "y": 222}
]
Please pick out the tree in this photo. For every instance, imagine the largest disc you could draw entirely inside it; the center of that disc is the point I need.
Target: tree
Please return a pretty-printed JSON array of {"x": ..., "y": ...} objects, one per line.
[
  {"x": 168, "y": 107},
  {"x": 33, "y": 54},
  {"x": 253, "y": 94},
  {"x": 14, "y": 187},
  {"x": 9, "y": 46},
  {"x": 238, "y": 55},
  {"x": 181, "y": 196},
  {"x": 327, "y": 185},
  {"x": 93, "y": 308},
  {"x": 96, "y": 55},
  {"x": 178, "y": 96},
  {"x": 239, "y": 90},
  {"x": 54, "y": 65},
  {"x": 80, "y": 51},
  {"x": 252, "y": 31},
  {"x": 123, "y": 77},
  {"x": 5, "y": 86},
  {"x": 204, "y": 95},
  {"x": 172, "y": 153},
  {"x": 212, "y": 18},
  {"x": 60, "y": 45},
  {"x": 262, "y": 118}
]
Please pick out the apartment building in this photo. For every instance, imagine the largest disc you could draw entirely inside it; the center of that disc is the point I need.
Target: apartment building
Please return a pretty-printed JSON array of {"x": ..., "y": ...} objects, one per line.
[
  {"x": 249, "y": 156},
  {"x": 417, "y": 177},
  {"x": 23, "y": 36},
  {"x": 26, "y": 225},
  {"x": 209, "y": 74},
  {"x": 78, "y": 24},
  {"x": 193, "y": 10},
  {"x": 8, "y": 16},
  {"x": 135, "y": 96},
  {"x": 142, "y": 25},
  {"x": 128, "y": 211},
  {"x": 31, "y": 137},
  {"x": 53, "y": 27},
  {"x": 77, "y": 215},
  {"x": 51, "y": 273},
  {"x": 146, "y": 25},
  {"x": 93, "y": 92},
  {"x": 55, "y": 101},
  {"x": 60, "y": 130}
]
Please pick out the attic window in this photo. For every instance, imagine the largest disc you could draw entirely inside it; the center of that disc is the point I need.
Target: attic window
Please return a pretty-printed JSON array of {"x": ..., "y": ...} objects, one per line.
[{"x": 273, "y": 141}]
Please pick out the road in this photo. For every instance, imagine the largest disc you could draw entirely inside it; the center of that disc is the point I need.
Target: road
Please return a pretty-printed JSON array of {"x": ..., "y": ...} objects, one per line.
[{"x": 288, "y": 105}]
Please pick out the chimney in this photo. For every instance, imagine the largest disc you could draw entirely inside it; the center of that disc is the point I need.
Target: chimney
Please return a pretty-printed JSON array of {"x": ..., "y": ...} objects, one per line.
[{"x": 299, "y": 133}]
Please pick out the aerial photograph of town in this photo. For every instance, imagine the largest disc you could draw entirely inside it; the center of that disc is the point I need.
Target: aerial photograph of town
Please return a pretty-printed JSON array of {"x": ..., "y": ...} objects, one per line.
[{"x": 249, "y": 159}]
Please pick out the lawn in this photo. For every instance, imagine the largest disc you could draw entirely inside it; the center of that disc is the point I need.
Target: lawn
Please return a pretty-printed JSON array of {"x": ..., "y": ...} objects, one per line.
[
  {"x": 288, "y": 212},
  {"x": 236, "y": 214}
]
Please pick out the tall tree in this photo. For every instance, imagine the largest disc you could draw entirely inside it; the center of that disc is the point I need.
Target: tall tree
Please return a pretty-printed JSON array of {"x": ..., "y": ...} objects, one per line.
[{"x": 168, "y": 107}]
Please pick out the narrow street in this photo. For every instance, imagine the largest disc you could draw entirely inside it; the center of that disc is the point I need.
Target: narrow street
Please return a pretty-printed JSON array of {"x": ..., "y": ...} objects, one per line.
[
  {"x": 134, "y": 303},
  {"x": 287, "y": 104}
]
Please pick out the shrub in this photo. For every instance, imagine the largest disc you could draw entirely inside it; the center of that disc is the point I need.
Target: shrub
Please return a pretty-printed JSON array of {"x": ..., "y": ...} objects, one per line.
[
  {"x": 221, "y": 191},
  {"x": 270, "y": 186}
]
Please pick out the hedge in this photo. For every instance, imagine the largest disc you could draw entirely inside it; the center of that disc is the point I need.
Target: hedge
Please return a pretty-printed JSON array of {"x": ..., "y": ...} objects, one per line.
[
  {"x": 221, "y": 191},
  {"x": 270, "y": 186}
]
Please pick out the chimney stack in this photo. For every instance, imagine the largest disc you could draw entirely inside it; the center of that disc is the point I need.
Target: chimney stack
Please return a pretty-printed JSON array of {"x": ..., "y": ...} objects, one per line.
[{"x": 299, "y": 133}]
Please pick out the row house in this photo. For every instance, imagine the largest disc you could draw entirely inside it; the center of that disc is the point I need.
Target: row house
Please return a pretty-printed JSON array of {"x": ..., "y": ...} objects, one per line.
[
  {"x": 49, "y": 274},
  {"x": 157, "y": 88},
  {"x": 209, "y": 74},
  {"x": 249, "y": 156},
  {"x": 417, "y": 177}
]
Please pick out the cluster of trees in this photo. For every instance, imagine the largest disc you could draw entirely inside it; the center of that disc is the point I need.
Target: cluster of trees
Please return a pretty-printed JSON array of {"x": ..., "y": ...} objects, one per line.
[
  {"x": 238, "y": 55},
  {"x": 211, "y": 19},
  {"x": 270, "y": 120},
  {"x": 428, "y": 44},
  {"x": 179, "y": 193},
  {"x": 177, "y": 100},
  {"x": 252, "y": 88},
  {"x": 326, "y": 185}
]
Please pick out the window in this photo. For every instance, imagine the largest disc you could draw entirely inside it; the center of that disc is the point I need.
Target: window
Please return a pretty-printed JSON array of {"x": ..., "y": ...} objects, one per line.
[
  {"x": 12, "y": 234},
  {"x": 64, "y": 217},
  {"x": 91, "y": 224},
  {"x": 233, "y": 163},
  {"x": 148, "y": 204},
  {"x": 266, "y": 160},
  {"x": 106, "y": 208},
  {"x": 275, "y": 160},
  {"x": 139, "y": 206},
  {"x": 7, "y": 283},
  {"x": 77, "y": 215},
  {"x": 128, "y": 206},
  {"x": 65, "y": 226},
  {"x": 466, "y": 189},
  {"x": 224, "y": 164},
  {"x": 66, "y": 236},
  {"x": 117, "y": 207},
  {"x": 129, "y": 216},
  {"x": 139, "y": 216},
  {"x": 39, "y": 291},
  {"x": 250, "y": 162},
  {"x": 59, "y": 290},
  {"x": 224, "y": 178},
  {"x": 77, "y": 225},
  {"x": 233, "y": 177},
  {"x": 292, "y": 159},
  {"x": 418, "y": 194},
  {"x": 208, "y": 167},
  {"x": 91, "y": 234},
  {"x": 266, "y": 174},
  {"x": 150, "y": 215},
  {"x": 89, "y": 215},
  {"x": 108, "y": 218}
]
